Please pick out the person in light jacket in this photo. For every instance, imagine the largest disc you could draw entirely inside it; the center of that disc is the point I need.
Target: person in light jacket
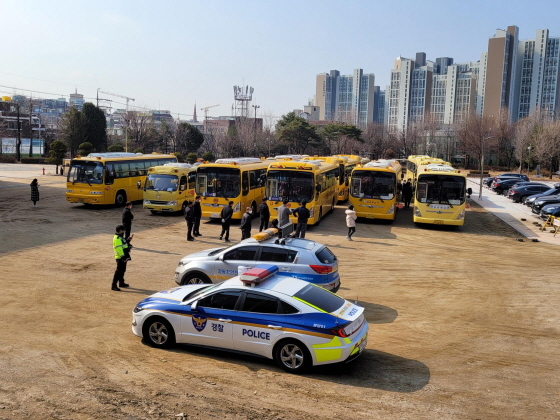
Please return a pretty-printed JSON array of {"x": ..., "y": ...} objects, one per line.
[{"x": 351, "y": 221}]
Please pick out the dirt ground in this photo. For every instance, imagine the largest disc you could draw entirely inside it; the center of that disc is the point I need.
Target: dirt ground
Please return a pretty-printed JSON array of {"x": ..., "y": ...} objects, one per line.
[{"x": 463, "y": 322}]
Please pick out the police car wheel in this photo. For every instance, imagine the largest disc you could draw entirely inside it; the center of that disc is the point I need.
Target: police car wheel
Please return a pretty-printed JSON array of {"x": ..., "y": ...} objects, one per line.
[
  {"x": 159, "y": 333},
  {"x": 292, "y": 356},
  {"x": 196, "y": 278}
]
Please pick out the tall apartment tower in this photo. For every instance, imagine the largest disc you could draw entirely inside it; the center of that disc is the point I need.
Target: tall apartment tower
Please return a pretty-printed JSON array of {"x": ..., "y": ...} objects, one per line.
[
  {"x": 538, "y": 78},
  {"x": 500, "y": 72},
  {"x": 348, "y": 99},
  {"x": 408, "y": 97}
]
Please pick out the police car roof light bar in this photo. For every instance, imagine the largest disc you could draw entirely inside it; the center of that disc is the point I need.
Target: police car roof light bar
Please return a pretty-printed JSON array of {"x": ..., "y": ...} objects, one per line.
[{"x": 257, "y": 274}]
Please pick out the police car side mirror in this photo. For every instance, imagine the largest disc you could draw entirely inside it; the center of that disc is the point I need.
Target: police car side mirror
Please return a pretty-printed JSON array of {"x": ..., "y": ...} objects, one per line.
[
  {"x": 194, "y": 305},
  {"x": 221, "y": 258}
]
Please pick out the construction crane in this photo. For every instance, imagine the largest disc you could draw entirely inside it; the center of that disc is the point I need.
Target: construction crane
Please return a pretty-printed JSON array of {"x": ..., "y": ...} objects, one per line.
[
  {"x": 127, "y": 99},
  {"x": 205, "y": 109}
]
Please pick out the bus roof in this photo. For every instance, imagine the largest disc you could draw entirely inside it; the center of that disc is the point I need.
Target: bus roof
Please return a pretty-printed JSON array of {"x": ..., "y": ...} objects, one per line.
[
  {"x": 238, "y": 161},
  {"x": 170, "y": 169},
  {"x": 308, "y": 165},
  {"x": 384, "y": 164},
  {"x": 125, "y": 156},
  {"x": 179, "y": 164}
]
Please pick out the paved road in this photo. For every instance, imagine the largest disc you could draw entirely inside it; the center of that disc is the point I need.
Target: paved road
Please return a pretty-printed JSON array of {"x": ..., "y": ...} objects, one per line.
[{"x": 513, "y": 213}]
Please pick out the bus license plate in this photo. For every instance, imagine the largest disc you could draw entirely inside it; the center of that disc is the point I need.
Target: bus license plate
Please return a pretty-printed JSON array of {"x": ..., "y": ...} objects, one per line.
[
  {"x": 438, "y": 222},
  {"x": 370, "y": 216},
  {"x": 215, "y": 215},
  {"x": 80, "y": 200}
]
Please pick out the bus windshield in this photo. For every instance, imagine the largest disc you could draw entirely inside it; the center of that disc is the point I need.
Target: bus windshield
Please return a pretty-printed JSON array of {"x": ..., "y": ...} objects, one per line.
[
  {"x": 87, "y": 172},
  {"x": 373, "y": 184},
  {"x": 162, "y": 182},
  {"x": 290, "y": 185},
  {"x": 440, "y": 189},
  {"x": 218, "y": 182}
]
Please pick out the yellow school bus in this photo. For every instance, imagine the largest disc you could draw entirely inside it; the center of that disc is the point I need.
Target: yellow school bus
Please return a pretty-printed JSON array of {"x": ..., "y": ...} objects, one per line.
[
  {"x": 439, "y": 192},
  {"x": 312, "y": 181},
  {"x": 350, "y": 162},
  {"x": 110, "y": 178},
  {"x": 168, "y": 188},
  {"x": 241, "y": 180},
  {"x": 375, "y": 189}
]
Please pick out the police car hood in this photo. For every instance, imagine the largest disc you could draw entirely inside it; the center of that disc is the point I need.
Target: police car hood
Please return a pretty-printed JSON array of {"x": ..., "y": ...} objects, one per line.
[
  {"x": 202, "y": 255},
  {"x": 176, "y": 294}
]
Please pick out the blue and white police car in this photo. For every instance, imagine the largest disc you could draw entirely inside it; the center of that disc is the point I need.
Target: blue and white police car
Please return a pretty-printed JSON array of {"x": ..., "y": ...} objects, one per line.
[{"x": 292, "y": 321}]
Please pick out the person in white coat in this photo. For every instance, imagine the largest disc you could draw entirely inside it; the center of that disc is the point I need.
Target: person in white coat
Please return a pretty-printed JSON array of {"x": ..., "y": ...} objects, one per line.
[{"x": 351, "y": 221}]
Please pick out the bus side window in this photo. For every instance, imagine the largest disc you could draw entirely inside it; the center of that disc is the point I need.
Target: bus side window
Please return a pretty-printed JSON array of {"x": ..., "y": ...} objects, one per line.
[
  {"x": 192, "y": 180},
  {"x": 183, "y": 183},
  {"x": 245, "y": 183},
  {"x": 109, "y": 174},
  {"x": 201, "y": 187},
  {"x": 252, "y": 180}
]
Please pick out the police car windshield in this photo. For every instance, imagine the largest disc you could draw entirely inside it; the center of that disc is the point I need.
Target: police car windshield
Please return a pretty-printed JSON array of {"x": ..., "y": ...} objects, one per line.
[
  {"x": 319, "y": 298},
  {"x": 198, "y": 292}
]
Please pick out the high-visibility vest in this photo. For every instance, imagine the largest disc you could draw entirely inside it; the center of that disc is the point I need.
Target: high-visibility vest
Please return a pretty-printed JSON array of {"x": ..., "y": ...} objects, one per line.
[{"x": 119, "y": 245}]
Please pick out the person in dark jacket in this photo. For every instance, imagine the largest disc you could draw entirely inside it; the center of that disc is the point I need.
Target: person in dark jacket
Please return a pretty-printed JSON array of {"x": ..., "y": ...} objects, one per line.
[
  {"x": 227, "y": 213},
  {"x": 303, "y": 214},
  {"x": 34, "y": 191},
  {"x": 407, "y": 193},
  {"x": 127, "y": 217},
  {"x": 264, "y": 213},
  {"x": 245, "y": 224},
  {"x": 197, "y": 215},
  {"x": 189, "y": 217}
]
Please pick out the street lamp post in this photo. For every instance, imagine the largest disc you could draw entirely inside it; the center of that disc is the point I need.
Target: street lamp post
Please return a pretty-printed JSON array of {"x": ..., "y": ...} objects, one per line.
[
  {"x": 255, "y": 130},
  {"x": 482, "y": 164}
]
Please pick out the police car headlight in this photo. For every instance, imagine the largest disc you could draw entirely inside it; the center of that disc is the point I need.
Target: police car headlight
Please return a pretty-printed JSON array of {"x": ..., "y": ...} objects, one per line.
[
  {"x": 96, "y": 192},
  {"x": 171, "y": 203},
  {"x": 147, "y": 202},
  {"x": 137, "y": 309}
]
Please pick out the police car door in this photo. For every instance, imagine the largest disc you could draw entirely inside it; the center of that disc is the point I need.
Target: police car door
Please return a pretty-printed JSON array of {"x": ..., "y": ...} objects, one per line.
[
  {"x": 226, "y": 267},
  {"x": 260, "y": 322},
  {"x": 211, "y": 323}
]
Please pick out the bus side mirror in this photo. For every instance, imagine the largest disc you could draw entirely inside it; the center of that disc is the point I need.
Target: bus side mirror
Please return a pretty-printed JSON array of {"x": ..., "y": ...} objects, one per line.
[
  {"x": 347, "y": 182},
  {"x": 318, "y": 188},
  {"x": 469, "y": 192},
  {"x": 182, "y": 188},
  {"x": 139, "y": 184}
]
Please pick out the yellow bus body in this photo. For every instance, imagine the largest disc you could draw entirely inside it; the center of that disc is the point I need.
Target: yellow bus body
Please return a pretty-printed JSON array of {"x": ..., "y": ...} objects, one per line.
[
  {"x": 110, "y": 178},
  {"x": 168, "y": 188},
  {"x": 312, "y": 181},
  {"x": 350, "y": 162},
  {"x": 439, "y": 191},
  {"x": 241, "y": 180},
  {"x": 375, "y": 189}
]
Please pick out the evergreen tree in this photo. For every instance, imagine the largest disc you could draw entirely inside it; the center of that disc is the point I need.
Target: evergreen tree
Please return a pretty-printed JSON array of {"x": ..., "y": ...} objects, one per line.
[{"x": 96, "y": 127}]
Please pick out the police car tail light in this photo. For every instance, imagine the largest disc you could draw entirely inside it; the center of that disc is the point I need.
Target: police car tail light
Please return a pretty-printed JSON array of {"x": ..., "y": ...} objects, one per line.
[
  {"x": 321, "y": 269},
  {"x": 340, "y": 331},
  {"x": 257, "y": 274}
]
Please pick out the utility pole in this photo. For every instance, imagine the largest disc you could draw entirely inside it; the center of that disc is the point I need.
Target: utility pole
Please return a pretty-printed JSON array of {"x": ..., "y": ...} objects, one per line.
[
  {"x": 255, "y": 130},
  {"x": 30, "y": 128},
  {"x": 18, "y": 140}
]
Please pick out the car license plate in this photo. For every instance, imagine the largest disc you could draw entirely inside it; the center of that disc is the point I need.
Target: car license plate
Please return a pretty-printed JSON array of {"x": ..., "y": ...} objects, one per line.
[
  {"x": 363, "y": 344},
  {"x": 80, "y": 200},
  {"x": 438, "y": 222},
  {"x": 215, "y": 215}
]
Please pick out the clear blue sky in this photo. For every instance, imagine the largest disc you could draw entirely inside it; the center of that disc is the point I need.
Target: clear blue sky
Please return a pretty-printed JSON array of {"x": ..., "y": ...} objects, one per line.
[{"x": 169, "y": 54}]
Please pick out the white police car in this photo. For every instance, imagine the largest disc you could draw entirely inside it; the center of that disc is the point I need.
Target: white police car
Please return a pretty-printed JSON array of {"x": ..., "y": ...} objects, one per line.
[
  {"x": 300, "y": 258},
  {"x": 291, "y": 321}
]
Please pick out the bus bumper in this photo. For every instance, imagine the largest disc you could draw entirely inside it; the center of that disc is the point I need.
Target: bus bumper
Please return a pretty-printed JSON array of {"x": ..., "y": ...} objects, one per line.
[
  {"x": 84, "y": 199},
  {"x": 447, "y": 222}
]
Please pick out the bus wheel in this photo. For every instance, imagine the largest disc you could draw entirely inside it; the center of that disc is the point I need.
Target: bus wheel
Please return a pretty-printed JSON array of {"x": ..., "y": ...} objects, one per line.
[
  {"x": 318, "y": 222},
  {"x": 332, "y": 207},
  {"x": 153, "y": 211},
  {"x": 120, "y": 199}
]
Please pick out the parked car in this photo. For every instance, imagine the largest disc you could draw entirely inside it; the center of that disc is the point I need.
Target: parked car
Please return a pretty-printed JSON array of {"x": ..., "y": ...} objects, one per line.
[
  {"x": 550, "y": 210},
  {"x": 300, "y": 258},
  {"x": 539, "y": 203},
  {"x": 488, "y": 181},
  {"x": 499, "y": 185},
  {"x": 291, "y": 321},
  {"x": 522, "y": 190},
  {"x": 552, "y": 191}
]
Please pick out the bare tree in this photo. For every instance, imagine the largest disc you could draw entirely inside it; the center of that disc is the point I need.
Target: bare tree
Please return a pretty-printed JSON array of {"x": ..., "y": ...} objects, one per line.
[
  {"x": 547, "y": 150},
  {"x": 505, "y": 140},
  {"x": 529, "y": 135},
  {"x": 475, "y": 135},
  {"x": 140, "y": 129},
  {"x": 376, "y": 140}
]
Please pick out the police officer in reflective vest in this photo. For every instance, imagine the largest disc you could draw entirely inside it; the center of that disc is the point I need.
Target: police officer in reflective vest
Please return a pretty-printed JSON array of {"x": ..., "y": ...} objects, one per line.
[{"x": 121, "y": 247}]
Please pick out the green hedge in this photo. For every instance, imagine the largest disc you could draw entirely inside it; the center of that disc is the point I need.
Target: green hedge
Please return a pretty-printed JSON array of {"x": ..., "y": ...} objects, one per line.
[{"x": 32, "y": 160}]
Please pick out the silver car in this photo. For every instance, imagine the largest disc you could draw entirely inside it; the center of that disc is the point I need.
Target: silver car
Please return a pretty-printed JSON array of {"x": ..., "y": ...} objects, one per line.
[{"x": 299, "y": 258}]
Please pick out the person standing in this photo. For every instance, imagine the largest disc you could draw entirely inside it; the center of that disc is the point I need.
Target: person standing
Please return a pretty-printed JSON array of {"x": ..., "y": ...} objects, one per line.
[
  {"x": 351, "y": 221},
  {"x": 264, "y": 213},
  {"x": 189, "y": 217},
  {"x": 227, "y": 213},
  {"x": 127, "y": 217},
  {"x": 121, "y": 248},
  {"x": 197, "y": 209},
  {"x": 284, "y": 213},
  {"x": 303, "y": 214},
  {"x": 407, "y": 193},
  {"x": 246, "y": 222},
  {"x": 34, "y": 191}
]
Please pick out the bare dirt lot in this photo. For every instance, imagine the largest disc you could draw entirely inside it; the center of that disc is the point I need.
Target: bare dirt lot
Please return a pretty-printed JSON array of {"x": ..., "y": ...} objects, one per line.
[{"x": 463, "y": 322}]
